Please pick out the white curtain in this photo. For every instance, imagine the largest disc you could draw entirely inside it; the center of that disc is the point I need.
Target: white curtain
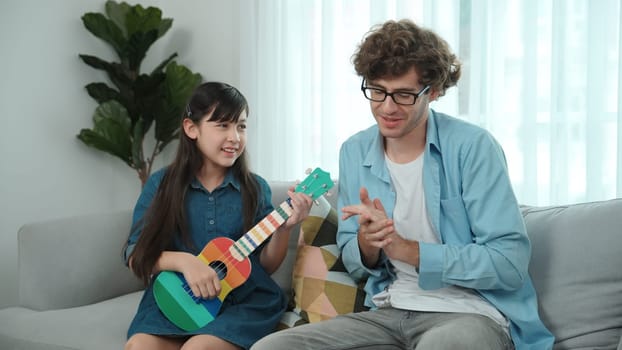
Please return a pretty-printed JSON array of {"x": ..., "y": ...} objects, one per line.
[{"x": 542, "y": 75}]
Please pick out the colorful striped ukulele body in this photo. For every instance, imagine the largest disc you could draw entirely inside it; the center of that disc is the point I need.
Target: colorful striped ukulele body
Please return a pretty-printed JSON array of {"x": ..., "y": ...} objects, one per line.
[{"x": 230, "y": 260}]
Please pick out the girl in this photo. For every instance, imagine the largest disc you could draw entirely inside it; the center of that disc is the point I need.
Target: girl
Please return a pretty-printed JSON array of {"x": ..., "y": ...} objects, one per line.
[{"x": 208, "y": 191}]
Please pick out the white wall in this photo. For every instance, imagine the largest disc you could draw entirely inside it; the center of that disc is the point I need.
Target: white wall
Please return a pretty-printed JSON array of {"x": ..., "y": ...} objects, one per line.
[{"x": 45, "y": 171}]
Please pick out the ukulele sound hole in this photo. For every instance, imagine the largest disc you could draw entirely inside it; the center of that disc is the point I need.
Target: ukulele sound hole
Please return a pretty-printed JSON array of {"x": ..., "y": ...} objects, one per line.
[{"x": 220, "y": 268}]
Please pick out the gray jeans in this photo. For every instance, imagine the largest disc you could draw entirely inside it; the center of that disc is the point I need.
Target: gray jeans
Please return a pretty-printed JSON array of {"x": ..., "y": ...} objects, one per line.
[{"x": 393, "y": 329}]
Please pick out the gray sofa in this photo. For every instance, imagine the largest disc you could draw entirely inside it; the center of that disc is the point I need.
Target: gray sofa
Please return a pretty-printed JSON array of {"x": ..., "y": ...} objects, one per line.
[{"x": 75, "y": 293}]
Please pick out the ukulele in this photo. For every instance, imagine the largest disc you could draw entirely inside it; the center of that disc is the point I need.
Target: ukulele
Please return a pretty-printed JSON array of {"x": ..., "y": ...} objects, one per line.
[{"x": 230, "y": 260}]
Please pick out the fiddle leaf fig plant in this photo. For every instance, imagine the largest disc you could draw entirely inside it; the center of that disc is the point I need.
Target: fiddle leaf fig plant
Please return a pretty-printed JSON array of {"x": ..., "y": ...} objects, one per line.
[{"x": 136, "y": 101}]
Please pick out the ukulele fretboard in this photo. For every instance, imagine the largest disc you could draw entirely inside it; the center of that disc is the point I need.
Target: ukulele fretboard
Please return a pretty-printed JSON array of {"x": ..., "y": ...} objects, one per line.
[{"x": 260, "y": 232}]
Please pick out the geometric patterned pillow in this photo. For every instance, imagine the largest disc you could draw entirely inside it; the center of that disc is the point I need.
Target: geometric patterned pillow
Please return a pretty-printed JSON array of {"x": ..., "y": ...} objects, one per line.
[{"x": 321, "y": 286}]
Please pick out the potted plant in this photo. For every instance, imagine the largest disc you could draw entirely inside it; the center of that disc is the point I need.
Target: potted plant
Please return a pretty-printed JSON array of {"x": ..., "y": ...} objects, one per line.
[{"x": 137, "y": 101}]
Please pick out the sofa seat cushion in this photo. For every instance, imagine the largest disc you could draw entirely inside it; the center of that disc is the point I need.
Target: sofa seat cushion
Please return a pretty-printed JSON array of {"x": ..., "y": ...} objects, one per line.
[
  {"x": 576, "y": 267},
  {"x": 98, "y": 326}
]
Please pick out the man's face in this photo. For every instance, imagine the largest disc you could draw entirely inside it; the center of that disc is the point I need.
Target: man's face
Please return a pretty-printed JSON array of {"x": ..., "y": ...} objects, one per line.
[{"x": 399, "y": 120}]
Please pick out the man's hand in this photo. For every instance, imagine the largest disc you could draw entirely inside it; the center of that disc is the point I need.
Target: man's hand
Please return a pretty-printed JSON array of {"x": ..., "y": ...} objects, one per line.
[
  {"x": 375, "y": 228},
  {"x": 376, "y": 232}
]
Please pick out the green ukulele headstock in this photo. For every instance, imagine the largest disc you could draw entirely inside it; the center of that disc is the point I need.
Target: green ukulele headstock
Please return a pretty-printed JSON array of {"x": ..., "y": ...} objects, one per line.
[{"x": 316, "y": 184}]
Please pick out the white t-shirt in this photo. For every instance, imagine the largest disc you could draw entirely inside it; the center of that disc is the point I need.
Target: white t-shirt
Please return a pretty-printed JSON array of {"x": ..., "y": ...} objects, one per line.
[{"x": 411, "y": 221}]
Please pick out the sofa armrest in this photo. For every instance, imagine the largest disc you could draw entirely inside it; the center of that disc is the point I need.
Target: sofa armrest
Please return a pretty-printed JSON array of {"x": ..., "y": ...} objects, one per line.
[
  {"x": 575, "y": 269},
  {"x": 73, "y": 261}
]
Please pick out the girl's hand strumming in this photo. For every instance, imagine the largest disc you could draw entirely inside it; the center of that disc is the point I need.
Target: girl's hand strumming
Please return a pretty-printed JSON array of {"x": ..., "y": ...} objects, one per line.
[{"x": 201, "y": 278}]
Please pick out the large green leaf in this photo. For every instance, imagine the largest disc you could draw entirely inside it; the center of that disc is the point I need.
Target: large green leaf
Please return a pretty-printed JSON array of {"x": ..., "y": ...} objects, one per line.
[
  {"x": 138, "y": 45},
  {"x": 106, "y": 30},
  {"x": 112, "y": 131},
  {"x": 118, "y": 74},
  {"x": 139, "y": 19},
  {"x": 118, "y": 13},
  {"x": 97, "y": 62},
  {"x": 180, "y": 82},
  {"x": 164, "y": 26},
  {"x": 178, "y": 86},
  {"x": 102, "y": 92}
]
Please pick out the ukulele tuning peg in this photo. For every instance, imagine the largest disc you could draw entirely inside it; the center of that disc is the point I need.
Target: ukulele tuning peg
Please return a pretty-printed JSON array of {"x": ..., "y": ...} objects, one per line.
[
  {"x": 328, "y": 194},
  {"x": 308, "y": 171}
]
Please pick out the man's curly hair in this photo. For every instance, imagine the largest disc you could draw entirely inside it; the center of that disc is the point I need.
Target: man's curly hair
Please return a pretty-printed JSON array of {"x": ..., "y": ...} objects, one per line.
[{"x": 393, "y": 48}]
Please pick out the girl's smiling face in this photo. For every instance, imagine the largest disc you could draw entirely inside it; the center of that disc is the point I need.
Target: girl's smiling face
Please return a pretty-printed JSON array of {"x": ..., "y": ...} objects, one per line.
[{"x": 220, "y": 142}]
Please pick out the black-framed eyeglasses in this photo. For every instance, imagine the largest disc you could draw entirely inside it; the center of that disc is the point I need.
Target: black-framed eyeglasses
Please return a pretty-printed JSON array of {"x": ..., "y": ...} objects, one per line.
[{"x": 399, "y": 97}]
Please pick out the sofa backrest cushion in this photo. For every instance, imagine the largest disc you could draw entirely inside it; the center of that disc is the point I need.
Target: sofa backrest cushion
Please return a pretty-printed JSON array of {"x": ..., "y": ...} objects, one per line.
[
  {"x": 89, "y": 268},
  {"x": 576, "y": 267}
]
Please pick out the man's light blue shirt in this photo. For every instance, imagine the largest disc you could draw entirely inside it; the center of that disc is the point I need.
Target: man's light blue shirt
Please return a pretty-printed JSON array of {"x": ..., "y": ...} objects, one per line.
[{"x": 473, "y": 210}]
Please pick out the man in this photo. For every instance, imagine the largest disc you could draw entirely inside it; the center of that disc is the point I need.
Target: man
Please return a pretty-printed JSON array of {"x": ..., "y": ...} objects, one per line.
[{"x": 442, "y": 243}]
